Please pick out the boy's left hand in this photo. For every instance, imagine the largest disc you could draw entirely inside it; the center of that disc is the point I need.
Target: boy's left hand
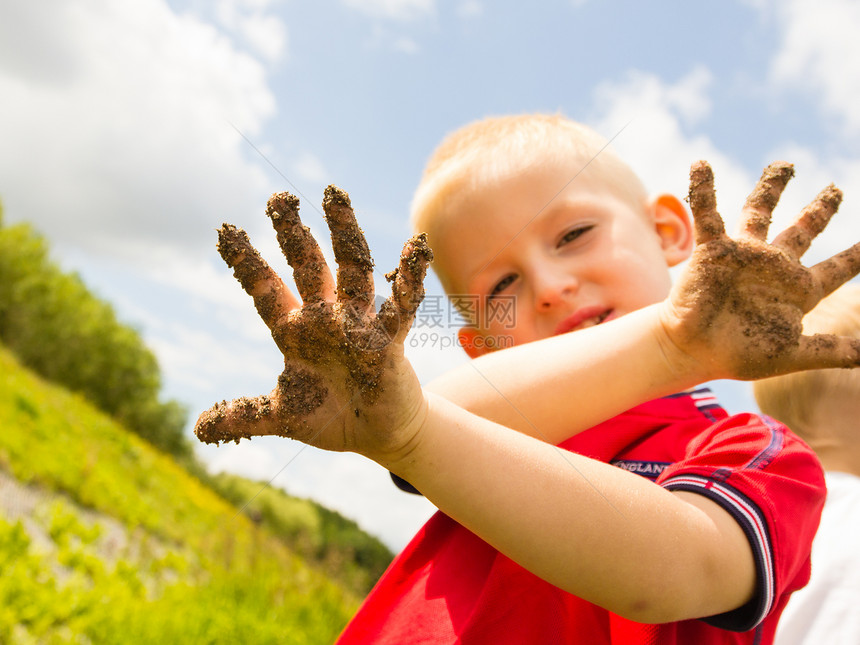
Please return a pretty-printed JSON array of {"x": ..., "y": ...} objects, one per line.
[
  {"x": 346, "y": 383},
  {"x": 737, "y": 311}
]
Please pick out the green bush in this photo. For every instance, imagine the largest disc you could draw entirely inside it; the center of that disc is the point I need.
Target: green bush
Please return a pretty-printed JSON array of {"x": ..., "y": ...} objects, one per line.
[
  {"x": 335, "y": 543},
  {"x": 58, "y": 328}
]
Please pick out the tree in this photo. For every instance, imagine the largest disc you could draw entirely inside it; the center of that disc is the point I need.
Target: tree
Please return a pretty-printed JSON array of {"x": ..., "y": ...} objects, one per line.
[{"x": 60, "y": 329}]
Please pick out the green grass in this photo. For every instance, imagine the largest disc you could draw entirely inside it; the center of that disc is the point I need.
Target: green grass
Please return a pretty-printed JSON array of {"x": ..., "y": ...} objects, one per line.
[
  {"x": 335, "y": 544},
  {"x": 191, "y": 570}
]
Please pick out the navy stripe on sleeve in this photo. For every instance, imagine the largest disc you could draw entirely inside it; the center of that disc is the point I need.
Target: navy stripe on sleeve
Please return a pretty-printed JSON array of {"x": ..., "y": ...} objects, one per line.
[{"x": 752, "y": 521}]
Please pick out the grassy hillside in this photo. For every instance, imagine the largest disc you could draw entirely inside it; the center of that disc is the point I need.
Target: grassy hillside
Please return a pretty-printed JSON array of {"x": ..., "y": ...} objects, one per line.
[
  {"x": 335, "y": 544},
  {"x": 105, "y": 540}
]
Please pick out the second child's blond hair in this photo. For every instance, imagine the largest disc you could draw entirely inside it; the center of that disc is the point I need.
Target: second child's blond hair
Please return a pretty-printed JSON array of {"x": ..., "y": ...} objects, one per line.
[
  {"x": 798, "y": 399},
  {"x": 487, "y": 151}
]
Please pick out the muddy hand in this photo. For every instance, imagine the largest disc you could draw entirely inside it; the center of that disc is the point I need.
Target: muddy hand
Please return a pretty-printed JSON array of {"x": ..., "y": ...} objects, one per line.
[
  {"x": 739, "y": 305},
  {"x": 345, "y": 375}
]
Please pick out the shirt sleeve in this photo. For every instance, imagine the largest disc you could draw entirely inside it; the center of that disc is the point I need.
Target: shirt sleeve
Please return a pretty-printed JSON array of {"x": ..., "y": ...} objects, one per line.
[{"x": 773, "y": 485}]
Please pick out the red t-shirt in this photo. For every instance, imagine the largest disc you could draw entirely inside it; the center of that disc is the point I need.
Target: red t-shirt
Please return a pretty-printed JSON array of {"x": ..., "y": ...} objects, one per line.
[{"x": 449, "y": 586}]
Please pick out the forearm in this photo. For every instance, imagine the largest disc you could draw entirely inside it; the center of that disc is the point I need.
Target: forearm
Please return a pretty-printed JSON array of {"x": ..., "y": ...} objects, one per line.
[
  {"x": 599, "y": 532},
  {"x": 553, "y": 388}
]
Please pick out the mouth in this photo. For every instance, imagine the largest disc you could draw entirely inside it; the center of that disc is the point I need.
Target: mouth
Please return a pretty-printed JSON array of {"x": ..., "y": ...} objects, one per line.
[{"x": 583, "y": 319}]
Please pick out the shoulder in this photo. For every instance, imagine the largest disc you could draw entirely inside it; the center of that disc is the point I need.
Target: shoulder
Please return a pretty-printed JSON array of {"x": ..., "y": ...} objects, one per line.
[
  {"x": 754, "y": 443},
  {"x": 772, "y": 484},
  {"x": 754, "y": 461}
]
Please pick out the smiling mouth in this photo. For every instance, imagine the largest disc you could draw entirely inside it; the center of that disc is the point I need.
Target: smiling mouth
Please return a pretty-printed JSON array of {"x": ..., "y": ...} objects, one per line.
[
  {"x": 594, "y": 320},
  {"x": 577, "y": 322}
]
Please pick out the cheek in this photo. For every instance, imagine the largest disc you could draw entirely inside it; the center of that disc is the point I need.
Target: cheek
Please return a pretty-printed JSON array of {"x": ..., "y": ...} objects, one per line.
[
  {"x": 637, "y": 279},
  {"x": 510, "y": 327},
  {"x": 509, "y": 317},
  {"x": 647, "y": 287}
]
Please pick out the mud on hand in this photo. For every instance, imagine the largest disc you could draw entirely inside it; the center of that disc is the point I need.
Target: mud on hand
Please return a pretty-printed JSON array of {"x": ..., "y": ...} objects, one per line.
[
  {"x": 739, "y": 305},
  {"x": 344, "y": 368}
]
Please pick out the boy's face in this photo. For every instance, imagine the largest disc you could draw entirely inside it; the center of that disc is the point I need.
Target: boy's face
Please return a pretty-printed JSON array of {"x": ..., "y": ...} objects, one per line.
[{"x": 544, "y": 263}]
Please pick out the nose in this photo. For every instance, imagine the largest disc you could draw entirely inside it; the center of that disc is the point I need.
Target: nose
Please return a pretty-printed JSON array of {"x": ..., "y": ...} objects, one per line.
[{"x": 553, "y": 287}]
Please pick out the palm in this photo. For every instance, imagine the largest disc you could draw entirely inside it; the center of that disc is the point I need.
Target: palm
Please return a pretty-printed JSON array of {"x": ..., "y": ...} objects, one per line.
[
  {"x": 344, "y": 368},
  {"x": 742, "y": 300}
]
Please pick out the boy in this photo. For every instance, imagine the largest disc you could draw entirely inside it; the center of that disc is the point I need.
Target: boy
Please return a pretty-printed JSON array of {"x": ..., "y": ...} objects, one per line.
[
  {"x": 823, "y": 406},
  {"x": 537, "y": 544}
]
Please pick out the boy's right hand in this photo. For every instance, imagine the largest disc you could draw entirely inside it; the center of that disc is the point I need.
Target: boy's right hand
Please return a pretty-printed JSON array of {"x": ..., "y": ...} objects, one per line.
[
  {"x": 346, "y": 384},
  {"x": 737, "y": 310}
]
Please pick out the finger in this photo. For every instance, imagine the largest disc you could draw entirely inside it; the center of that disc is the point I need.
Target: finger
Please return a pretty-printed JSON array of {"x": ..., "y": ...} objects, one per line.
[
  {"x": 824, "y": 351},
  {"x": 407, "y": 287},
  {"x": 272, "y": 298},
  {"x": 835, "y": 271},
  {"x": 703, "y": 203},
  {"x": 241, "y": 418},
  {"x": 795, "y": 240},
  {"x": 284, "y": 412},
  {"x": 310, "y": 271},
  {"x": 354, "y": 264},
  {"x": 757, "y": 211}
]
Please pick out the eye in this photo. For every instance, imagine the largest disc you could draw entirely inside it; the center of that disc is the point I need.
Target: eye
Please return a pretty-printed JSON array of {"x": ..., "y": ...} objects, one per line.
[
  {"x": 502, "y": 284},
  {"x": 574, "y": 234}
]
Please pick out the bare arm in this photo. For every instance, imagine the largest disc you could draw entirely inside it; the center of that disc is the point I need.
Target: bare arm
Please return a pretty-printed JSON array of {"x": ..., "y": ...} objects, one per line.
[
  {"x": 551, "y": 389},
  {"x": 347, "y": 386},
  {"x": 595, "y": 530}
]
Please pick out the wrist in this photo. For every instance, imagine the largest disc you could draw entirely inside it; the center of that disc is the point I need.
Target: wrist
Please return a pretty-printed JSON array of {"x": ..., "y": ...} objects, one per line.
[
  {"x": 682, "y": 347},
  {"x": 400, "y": 451}
]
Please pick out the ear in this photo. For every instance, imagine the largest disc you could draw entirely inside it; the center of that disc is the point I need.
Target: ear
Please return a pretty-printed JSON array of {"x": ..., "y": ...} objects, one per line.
[
  {"x": 674, "y": 228},
  {"x": 472, "y": 342}
]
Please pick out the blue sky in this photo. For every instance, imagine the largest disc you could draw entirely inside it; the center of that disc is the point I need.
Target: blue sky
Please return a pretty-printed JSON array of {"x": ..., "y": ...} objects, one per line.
[{"x": 130, "y": 131}]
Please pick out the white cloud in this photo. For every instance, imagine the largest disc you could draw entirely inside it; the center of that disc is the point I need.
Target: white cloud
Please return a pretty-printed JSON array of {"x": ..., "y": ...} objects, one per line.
[
  {"x": 48, "y": 58},
  {"x": 262, "y": 30},
  {"x": 129, "y": 141},
  {"x": 653, "y": 122},
  {"x": 660, "y": 142},
  {"x": 400, "y": 10},
  {"x": 405, "y": 45},
  {"x": 310, "y": 168},
  {"x": 813, "y": 173},
  {"x": 383, "y": 36},
  {"x": 433, "y": 351},
  {"x": 205, "y": 362},
  {"x": 819, "y": 54},
  {"x": 760, "y": 5},
  {"x": 470, "y": 9}
]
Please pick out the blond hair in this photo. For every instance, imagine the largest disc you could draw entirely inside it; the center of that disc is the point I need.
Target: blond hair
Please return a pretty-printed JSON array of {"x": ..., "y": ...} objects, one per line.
[
  {"x": 494, "y": 148},
  {"x": 799, "y": 399}
]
